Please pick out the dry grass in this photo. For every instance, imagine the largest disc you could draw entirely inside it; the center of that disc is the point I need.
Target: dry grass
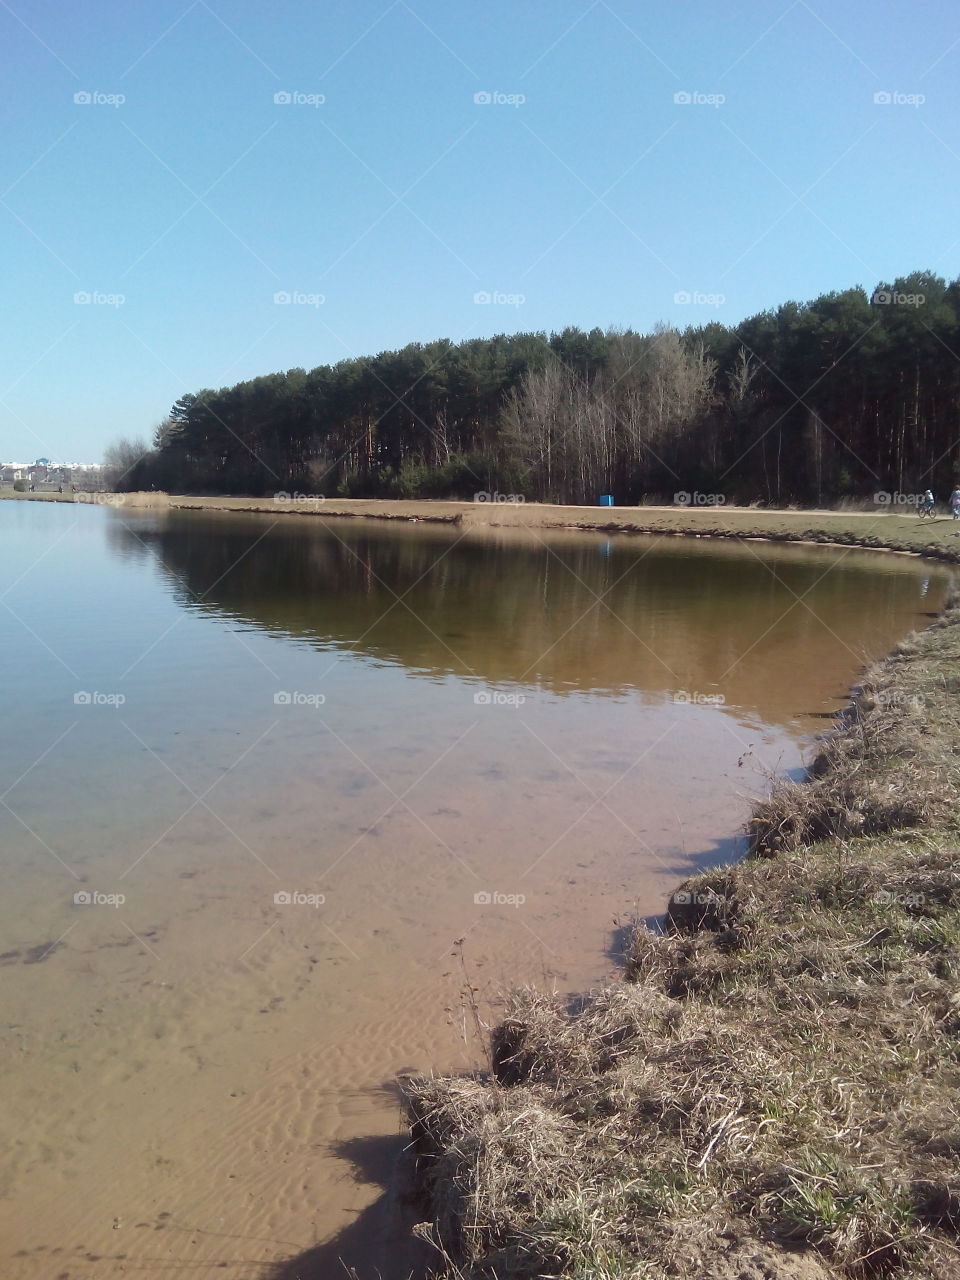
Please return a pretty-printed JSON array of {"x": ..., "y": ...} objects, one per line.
[
  {"x": 883, "y": 773},
  {"x": 876, "y": 528},
  {"x": 775, "y": 1092}
]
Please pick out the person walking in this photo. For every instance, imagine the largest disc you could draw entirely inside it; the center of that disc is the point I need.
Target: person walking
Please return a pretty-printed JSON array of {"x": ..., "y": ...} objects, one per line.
[{"x": 955, "y": 502}]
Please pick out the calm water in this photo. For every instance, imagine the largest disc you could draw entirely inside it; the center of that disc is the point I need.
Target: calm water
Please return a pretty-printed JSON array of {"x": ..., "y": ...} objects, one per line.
[{"x": 258, "y": 776}]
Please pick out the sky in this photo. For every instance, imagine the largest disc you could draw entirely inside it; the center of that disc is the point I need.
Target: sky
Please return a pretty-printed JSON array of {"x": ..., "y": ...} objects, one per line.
[{"x": 196, "y": 193}]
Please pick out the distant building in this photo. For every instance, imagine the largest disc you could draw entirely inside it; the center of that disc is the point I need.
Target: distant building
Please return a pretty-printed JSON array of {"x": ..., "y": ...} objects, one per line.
[{"x": 49, "y": 475}]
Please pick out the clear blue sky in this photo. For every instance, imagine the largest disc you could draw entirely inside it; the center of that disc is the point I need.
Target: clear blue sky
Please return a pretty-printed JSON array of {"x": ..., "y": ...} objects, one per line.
[{"x": 596, "y": 199}]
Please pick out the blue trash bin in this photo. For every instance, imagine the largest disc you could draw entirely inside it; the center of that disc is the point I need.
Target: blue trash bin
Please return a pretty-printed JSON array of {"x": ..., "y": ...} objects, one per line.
[{"x": 606, "y": 499}]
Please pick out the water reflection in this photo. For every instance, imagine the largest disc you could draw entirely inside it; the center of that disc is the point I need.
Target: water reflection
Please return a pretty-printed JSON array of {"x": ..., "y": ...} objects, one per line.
[{"x": 758, "y": 626}]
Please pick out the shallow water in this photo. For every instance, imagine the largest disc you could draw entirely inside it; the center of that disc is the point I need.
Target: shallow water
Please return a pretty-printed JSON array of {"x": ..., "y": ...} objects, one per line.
[{"x": 511, "y": 738}]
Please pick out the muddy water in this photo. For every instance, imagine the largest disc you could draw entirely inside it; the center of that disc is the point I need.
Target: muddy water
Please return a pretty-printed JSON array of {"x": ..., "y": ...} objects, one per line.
[{"x": 261, "y": 777}]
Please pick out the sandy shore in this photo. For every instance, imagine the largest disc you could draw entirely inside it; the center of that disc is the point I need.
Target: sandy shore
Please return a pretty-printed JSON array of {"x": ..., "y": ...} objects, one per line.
[
  {"x": 879, "y": 529},
  {"x": 781, "y": 1094}
]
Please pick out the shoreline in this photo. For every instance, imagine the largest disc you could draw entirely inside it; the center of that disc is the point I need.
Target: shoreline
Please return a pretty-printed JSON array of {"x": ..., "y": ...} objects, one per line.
[
  {"x": 871, "y": 530},
  {"x": 693, "y": 991},
  {"x": 688, "y": 1118}
]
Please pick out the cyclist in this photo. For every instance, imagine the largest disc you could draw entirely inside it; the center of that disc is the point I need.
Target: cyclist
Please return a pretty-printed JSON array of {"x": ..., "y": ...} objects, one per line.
[{"x": 927, "y": 503}]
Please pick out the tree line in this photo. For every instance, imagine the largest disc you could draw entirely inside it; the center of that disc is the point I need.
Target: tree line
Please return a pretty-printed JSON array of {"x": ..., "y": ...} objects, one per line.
[{"x": 846, "y": 395}]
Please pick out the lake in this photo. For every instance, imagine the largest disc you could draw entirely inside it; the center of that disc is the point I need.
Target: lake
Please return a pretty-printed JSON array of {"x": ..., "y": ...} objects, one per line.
[{"x": 276, "y": 793}]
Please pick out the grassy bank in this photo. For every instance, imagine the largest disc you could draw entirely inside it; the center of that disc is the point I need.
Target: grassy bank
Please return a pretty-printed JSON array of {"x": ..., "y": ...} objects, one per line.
[
  {"x": 773, "y": 1093},
  {"x": 878, "y": 528},
  {"x": 896, "y": 529},
  {"x": 46, "y": 495}
]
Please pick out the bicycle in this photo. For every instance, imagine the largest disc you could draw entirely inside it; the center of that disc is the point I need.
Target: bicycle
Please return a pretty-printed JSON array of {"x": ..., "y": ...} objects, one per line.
[{"x": 927, "y": 510}]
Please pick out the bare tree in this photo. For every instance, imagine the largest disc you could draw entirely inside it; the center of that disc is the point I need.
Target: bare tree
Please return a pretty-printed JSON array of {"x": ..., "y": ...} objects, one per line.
[
  {"x": 576, "y": 437},
  {"x": 122, "y": 460}
]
